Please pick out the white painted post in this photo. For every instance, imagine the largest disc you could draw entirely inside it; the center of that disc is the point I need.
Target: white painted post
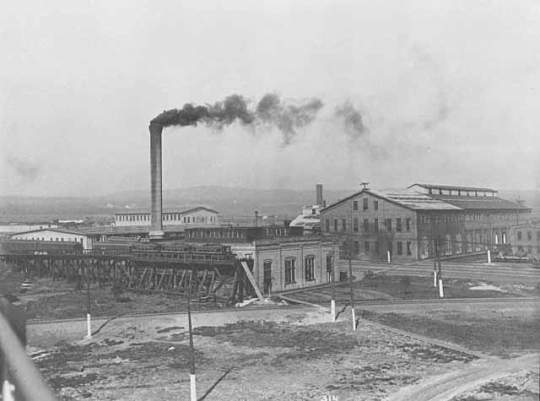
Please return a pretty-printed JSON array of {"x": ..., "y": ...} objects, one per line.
[
  {"x": 441, "y": 289},
  {"x": 489, "y": 256},
  {"x": 388, "y": 256},
  {"x": 193, "y": 387},
  {"x": 88, "y": 326},
  {"x": 333, "y": 309},
  {"x": 435, "y": 277},
  {"x": 7, "y": 391},
  {"x": 353, "y": 319}
]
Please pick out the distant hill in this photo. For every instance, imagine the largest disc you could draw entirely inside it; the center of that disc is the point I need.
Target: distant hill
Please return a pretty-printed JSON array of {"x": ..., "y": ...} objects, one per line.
[
  {"x": 531, "y": 197},
  {"x": 228, "y": 201}
]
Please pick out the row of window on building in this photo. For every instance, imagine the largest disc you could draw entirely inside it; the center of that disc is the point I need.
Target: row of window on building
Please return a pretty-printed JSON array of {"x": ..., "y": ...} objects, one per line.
[
  {"x": 519, "y": 235},
  {"x": 460, "y": 192},
  {"x": 461, "y": 217},
  {"x": 56, "y": 239},
  {"x": 401, "y": 225},
  {"x": 290, "y": 269},
  {"x": 216, "y": 234},
  {"x": 365, "y": 204},
  {"x": 168, "y": 217}
]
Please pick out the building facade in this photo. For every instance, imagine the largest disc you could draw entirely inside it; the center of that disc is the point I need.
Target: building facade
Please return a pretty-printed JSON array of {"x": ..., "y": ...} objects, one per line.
[
  {"x": 199, "y": 216},
  {"x": 417, "y": 222},
  {"x": 525, "y": 240},
  {"x": 283, "y": 258},
  {"x": 55, "y": 235}
]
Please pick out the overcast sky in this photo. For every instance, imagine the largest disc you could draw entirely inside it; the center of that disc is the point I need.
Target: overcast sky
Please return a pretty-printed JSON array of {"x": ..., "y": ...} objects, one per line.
[{"x": 449, "y": 92}]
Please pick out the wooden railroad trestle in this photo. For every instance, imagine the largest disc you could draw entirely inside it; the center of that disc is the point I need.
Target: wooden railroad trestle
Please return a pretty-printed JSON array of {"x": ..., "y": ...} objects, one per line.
[{"x": 139, "y": 274}]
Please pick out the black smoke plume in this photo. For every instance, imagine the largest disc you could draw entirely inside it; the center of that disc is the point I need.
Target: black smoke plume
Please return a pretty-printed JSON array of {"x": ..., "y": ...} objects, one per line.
[
  {"x": 269, "y": 111},
  {"x": 352, "y": 119},
  {"x": 287, "y": 117}
]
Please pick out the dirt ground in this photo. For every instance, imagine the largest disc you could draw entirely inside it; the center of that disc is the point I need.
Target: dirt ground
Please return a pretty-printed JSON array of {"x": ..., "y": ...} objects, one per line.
[
  {"x": 396, "y": 287},
  {"x": 278, "y": 354},
  {"x": 502, "y": 329},
  {"x": 283, "y": 353}
]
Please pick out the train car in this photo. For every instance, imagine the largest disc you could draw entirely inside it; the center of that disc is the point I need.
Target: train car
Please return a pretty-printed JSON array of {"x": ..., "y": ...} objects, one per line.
[
  {"x": 9, "y": 246},
  {"x": 12, "y": 246},
  {"x": 111, "y": 247}
]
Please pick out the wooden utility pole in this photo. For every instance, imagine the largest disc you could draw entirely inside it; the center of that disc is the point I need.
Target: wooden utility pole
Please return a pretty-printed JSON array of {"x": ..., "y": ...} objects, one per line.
[
  {"x": 352, "y": 293},
  {"x": 435, "y": 252},
  {"x": 350, "y": 270},
  {"x": 333, "y": 280},
  {"x": 88, "y": 306},
  {"x": 441, "y": 289},
  {"x": 192, "y": 381}
]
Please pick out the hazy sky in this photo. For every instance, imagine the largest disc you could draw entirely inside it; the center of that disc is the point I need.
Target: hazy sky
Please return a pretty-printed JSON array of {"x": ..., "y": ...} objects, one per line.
[{"x": 449, "y": 92}]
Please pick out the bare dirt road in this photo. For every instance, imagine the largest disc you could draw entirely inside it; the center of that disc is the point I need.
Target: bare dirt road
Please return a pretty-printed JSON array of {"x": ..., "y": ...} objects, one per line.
[{"x": 450, "y": 385}]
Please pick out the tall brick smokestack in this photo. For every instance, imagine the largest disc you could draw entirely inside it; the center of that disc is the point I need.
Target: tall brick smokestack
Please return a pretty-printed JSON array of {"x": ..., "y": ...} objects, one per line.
[
  {"x": 156, "y": 230},
  {"x": 319, "y": 198}
]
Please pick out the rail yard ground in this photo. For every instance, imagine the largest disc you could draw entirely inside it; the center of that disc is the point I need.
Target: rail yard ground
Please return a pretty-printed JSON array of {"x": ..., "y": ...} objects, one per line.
[{"x": 481, "y": 345}]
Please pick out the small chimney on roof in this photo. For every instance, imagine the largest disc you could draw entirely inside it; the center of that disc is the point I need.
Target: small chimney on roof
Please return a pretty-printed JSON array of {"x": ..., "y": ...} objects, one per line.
[
  {"x": 319, "y": 197},
  {"x": 365, "y": 185}
]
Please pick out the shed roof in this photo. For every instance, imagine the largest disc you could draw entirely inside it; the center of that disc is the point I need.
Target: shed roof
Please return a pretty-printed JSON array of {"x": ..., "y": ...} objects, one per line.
[
  {"x": 413, "y": 200},
  {"x": 58, "y": 230},
  {"x": 480, "y": 202},
  {"x": 407, "y": 198}
]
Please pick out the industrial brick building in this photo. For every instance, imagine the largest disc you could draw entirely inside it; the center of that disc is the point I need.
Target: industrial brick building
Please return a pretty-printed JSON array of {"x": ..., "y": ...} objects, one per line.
[
  {"x": 411, "y": 223},
  {"x": 283, "y": 258},
  {"x": 525, "y": 240}
]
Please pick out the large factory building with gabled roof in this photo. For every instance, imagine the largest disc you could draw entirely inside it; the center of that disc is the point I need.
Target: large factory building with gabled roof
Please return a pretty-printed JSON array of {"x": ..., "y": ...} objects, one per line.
[{"x": 416, "y": 222}]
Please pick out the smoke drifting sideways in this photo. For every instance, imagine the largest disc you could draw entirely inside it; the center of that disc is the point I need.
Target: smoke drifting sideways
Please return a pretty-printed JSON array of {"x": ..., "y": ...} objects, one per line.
[
  {"x": 352, "y": 120},
  {"x": 25, "y": 170},
  {"x": 270, "y": 111}
]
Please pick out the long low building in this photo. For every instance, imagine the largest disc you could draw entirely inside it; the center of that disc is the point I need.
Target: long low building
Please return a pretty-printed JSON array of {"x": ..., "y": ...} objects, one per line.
[
  {"x": 55, "y": 235},
  {"x": 194, "y": 217},
  {"x": 417, "y": 222}
]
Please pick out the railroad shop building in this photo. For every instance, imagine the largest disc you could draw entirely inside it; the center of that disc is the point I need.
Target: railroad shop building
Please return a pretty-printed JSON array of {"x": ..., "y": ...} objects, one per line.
[
  {"x": 283, "y": 258},
  {"x": 410, "y": 224}
]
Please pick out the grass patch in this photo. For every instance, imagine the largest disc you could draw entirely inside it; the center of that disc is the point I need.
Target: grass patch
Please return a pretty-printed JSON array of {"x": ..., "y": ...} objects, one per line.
[
  {"x": 104, "y": 303},
  {"x": 501, "y": 335},
  {"x": 413, "y": 287},
  {"x": 303, "y": 342},
  {"x": 59, "y": 382},
  {"x": 381, "y": 287}
]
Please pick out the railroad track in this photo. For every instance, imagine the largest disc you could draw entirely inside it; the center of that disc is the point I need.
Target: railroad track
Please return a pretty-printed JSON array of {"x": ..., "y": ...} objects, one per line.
[{"x": 479, "y": 271}]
